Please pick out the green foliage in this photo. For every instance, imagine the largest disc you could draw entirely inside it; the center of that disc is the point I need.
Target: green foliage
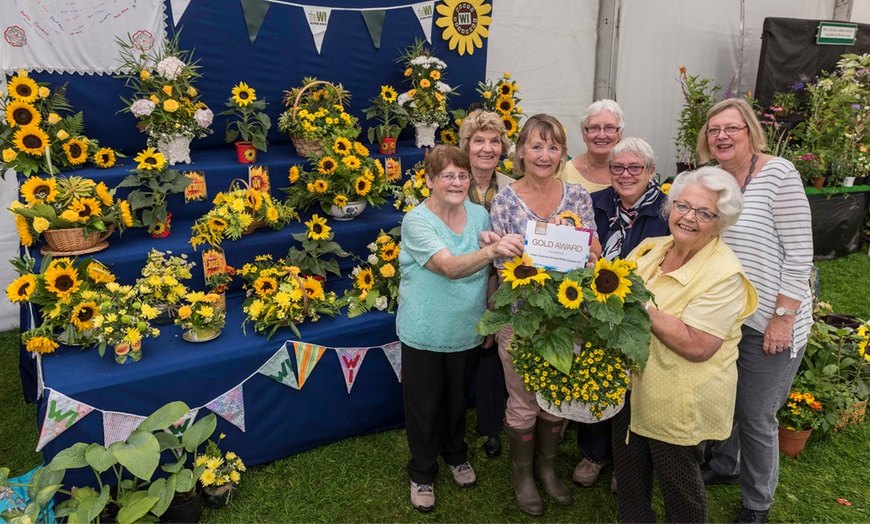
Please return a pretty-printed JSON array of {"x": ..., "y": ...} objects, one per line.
[
  {"x": 699, "y": 96},
  {"x": 251, "y": 123},
  {"x": 152, "y": 188}
]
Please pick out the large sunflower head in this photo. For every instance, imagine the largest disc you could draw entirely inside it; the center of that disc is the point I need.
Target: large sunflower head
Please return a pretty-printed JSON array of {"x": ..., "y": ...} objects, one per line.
[
  {"x": 265, "y": 286},
  {"x": 76, "y": 151},
  {"x": 40, "y": 344},
  {"x": 326, "y": 165},
  {"x": 37, "y": 189},
  {"x": 217, "y": 224},
  {"x": 365, "y": 280},
  {"x": 362, "y": 185},
  {"x": 126, "y": 214},
  {"x": 63, "y": 281},
  {"x": 388, "y": 94},
  {"x": 83, "y": 315},
  {"x": 31, "y": 139},
  {"x": 351, "y": 161},
  {"x": 150, "y": 159},
  {"x": 320, "y": 186},
  {"x": 22, "y": 88},
  {"x": 293, "y": 175},
  {"x": 505, "y": 89},
  {"x": 521, "y": 272},
  {"x": 510, "y": 124},
  {"x": 340, "y": 201},
  {"x": 105, "y": 157},
  {"x": 610, "y": 279},
  {"x": 448, "y": 136},
  {"x": 570, "y": 295},
  {"x": 342, "y": 146},
  {"x": 313, "y": 288},
  {"x": 360, "y": 149},
  {"x": 22, "y": 114},
  {"x": 504, "y": 105},
  {"x": 21, "y": 288},
  {"x": 389, "y": 251},
  {"x": 243, "y": 94},
  {"x": 85, "y": 207},
  {"x": 317, "y": 228}
]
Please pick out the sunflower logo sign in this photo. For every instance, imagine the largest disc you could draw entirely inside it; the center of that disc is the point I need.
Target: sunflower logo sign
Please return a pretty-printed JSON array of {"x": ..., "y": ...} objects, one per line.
[{"x": 464, "y": 23}]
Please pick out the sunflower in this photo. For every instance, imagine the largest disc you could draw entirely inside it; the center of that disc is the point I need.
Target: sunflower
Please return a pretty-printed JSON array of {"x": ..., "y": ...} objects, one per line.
[
  {"x": 341, "y": 146},
  {"x": 510, "y": 124},
  {"x": 326, "y": 165},
  {"x": 665, "y": 187},
  {"x": 388, "y": 94},
  {"x": 504, "y": 105},
  {"x": 389, "y": 251},
  {"x": 320, "y": 186},
  {"x": 23, "y": 230},
  {"x": 105, "y": 157},
  {"x": 62, "y": 281},
  {"x": 294, "y": 174},
  {"x": 465, "y": 23},
  {"x": 572, "y": 216},
  {"x": 76, "y": 151},
  {"x": 150, "y": 159},
  {"x": 265, "y": 286},
  {"x": 23, "y": 89},
  {"x": 317, "y": 228},
  {"x": 505, "y": 89},
  {"x": 41, "y": 345},
  {"x": 126, "y": 215},
  {"x": 31, "y": 139},
  {"x": 250, "y": 155},
  {"x": 100, "y": 273},
  {"x": 351, "y": 161},
  {"x": 243, "y": 95},
  {"x": 21, "y": 288},
  {"x": 362, "y": 185},
  {"x": 521, "y": 272},
  {"x": 83, "y": 315},
  {"x": 157, "y": 230},
  {"x": 360, "y": 149},
  {"x": 609, "y": 279},
  {"x": 313, "y": 288},
  {"x": 272, "y": 214},
  {"x": 365, "y": 280},
  {"x": 103, "y": 194},
  {"x": 37, "y": 189},
  {"x": 85, "y": 208},
  {"x": 340, "y": 201},
  {"x": 448, "y": 136},
  {"x": 570, "y": 295},
  {"x": 22, "y": 114}
]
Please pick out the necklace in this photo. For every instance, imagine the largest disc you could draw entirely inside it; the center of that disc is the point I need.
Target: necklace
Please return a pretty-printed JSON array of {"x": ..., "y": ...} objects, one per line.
[
  {"x": 591, "y": 176},
  {"x": 749, "y": 176}
]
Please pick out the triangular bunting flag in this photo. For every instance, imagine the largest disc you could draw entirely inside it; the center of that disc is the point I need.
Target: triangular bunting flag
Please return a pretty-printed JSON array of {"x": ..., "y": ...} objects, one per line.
[
  {"x": 393, "y": 352},
  {"x": 351, "y": 360},
  {"x": 318, "y": 20},
  {"x": 307, "y": 356},
  {"x": 255, "y": 13},
  {"x": 61, "y": 412},
  {"x": 230, "y": 406},
  {"x": 178, "y": 9},
  {"x": 118, "y": 426},
  {"x": 183, "y": 423},
  {"x": 424, "y": 11},
  {"x": 280, "y": 368},
  {"x": 375, "y": 24}
]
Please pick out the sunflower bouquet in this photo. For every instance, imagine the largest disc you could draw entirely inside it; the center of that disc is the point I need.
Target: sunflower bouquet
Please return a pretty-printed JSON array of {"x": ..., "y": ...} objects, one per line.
[
  {"x": 33, "y": 122},
  {"x": 317, "y": 242},
  {"x": 200, "y": 313},
  {"x": 164, "y": 99},
  {"x": 426, "y": 101},
  {"x": 576, "y": 333},
  {"x": 801, "y": 412},
  {"x": 68, "y": 292},
  {"x": 161, "y": 282},
  {"x": 238, "y": 211},
  {"x": 343, "y": 173},
  {"x": 501, "y": 96},
  {"x": 317, "y": 113},
  {"x": 66, "y": 203},
  {"x": 386, "y": 109},
  {"x": 278, "y": 296},
  {"x": 153, "y": 182},
  {"x": 376, "y": 280},
  {"x": 413, "y": 191},
  {"x": 123, "y": 321}
]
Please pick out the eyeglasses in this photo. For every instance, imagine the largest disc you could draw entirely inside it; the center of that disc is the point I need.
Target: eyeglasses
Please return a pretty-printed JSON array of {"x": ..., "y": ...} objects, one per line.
[
  {"x": 701, "y": 214},
  {"x": 730, "y": 130},
  {"x": 608, "y": 130},
  {"x": 462, "y": 177},
  {"x": 633, "y": 170}
]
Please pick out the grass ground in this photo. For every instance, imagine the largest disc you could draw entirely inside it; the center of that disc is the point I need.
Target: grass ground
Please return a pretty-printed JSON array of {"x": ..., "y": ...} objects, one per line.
[{"x": 362, "y": 479}]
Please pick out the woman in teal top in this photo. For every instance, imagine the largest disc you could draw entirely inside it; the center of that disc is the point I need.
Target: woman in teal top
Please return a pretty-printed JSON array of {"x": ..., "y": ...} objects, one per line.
[{"x": 442, "y": 295}]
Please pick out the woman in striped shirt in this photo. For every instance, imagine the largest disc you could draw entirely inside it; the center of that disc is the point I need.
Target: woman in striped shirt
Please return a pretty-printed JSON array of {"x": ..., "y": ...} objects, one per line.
[{"x": 773, "y": 240}]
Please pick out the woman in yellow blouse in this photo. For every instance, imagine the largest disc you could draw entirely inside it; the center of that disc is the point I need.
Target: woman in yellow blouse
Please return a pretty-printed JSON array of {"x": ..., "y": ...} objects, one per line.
[{"x": 686, "y": 393}]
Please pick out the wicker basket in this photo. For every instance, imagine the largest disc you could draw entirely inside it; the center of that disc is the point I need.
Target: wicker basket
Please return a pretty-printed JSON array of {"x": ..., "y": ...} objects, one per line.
[
  {"x": 256, "y": 223},
  {"x": 74, "y": 239},
  {"x": 309, "y": 146}
]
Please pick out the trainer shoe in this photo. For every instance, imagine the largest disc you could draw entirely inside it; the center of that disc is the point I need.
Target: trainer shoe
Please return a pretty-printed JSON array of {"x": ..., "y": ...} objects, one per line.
[
  {"x": 586, "y": 472},
  {"x": 422, "y": 497},
  {"x": 463, "y": 475}
]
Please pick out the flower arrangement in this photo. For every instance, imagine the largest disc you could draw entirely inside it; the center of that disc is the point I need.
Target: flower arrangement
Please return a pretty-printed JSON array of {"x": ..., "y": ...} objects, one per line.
[
  {"x": 251, "y": 124},
  {"x": 153, "y": 181},
  {"x": 220, "y": 468},
  {"x": 603, "y": 307},
  {"x": 699, "y": 96},
  {"x": 386, "y": 109},
  {"x": 318, "y": 242},
  {"x": 123, "y": 321},
  {"x": 236, "y": 212},
  {"x": 426, "y": 101},
  {"x": 319, "y": 113},
  {"x": 809, "y": 166},
  {"x": 501, "y": 96},
  {"x": 344, "y": 173},
  {"x": 376, "y": 279},
  {"x": 164, "y": 99},
  {"x": 278, "y": 296},
  {"x": 161, "y": 282},
  {"x": 219, "y": 282},
  {"x": 413, "y": 191},
  {"x": 68, "y": 292},
  {"x": 33, "y": 122},
  {"x": 801, "y": 412},
  {"x": 200, "y": 314},
  {"x": 68, "y": 202}
]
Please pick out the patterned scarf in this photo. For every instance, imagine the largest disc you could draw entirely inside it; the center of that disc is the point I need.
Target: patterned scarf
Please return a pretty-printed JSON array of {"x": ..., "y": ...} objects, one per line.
[
  {"x": 476, "y": 196},
  {"x": 625, "y": 218}
]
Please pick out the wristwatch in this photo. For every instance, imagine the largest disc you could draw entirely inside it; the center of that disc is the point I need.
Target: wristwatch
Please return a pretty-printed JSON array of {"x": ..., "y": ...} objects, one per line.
[{"x": 783, "y": 312}]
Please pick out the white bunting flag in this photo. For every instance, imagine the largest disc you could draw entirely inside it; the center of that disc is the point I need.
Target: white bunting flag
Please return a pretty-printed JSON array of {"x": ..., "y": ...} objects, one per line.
[
  {"x": 231, "y": 407},
  {"x": 393, "y": 352},
  {"x": 178, "y": 9},
  {"x": 318, "y": 20},
  {"x": 118, "y": 426},
  {"x": 424, "y": 11},
  {"x": 61, "y": 412},
  {"x": 280, "y": 368},
  {"x": 351, "y": 360}
]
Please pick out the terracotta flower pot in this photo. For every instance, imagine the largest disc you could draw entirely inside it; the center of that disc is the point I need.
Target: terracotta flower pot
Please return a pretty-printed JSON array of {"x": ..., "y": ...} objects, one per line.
[
  {"x": 388, "y": 146},
  {"x": 791, "y": 442},
  {"x": 818, "y": 182},
  {"x": 246, "y": 153}
]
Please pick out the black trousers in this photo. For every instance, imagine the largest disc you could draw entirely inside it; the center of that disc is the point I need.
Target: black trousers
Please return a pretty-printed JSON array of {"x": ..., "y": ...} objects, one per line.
[
  {"x": 594, "y": 440},
  {"x": 434, "y": 391},
  {"x": 490, "y": 391},
  {"x": 676, "y": 468}
]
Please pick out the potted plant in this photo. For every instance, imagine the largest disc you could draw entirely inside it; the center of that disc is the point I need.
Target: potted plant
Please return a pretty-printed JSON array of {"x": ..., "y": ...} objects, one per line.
[
  {"x": 315, "y": 115},
  {"x": 318, "y": 242},
  {"x": 123, "y": 321},
  {"x": 200, "y": 317},
  {"x": 153, "y": 182},
  {"x": 251, "y": 124},
  {"x": 164, "y": 99},
  {"x": 376, "y": 279},
  {"x": 385, "y": 108},
  {"x": 811, "y": 168},
  {"x": 699, "y": 95},
  {"x": 222, "y": 473},
  {"x": 426, "y": 100},
  {"x": 161, "y": 284},
  {"x": 797, "y": 419},
  {"x": 412, "y": 191},
  {"x": 218, "y": 282}
]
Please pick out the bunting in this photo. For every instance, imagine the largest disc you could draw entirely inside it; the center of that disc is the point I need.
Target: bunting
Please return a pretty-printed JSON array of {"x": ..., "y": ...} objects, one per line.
[
  {"x": 254, "y": 12},
  {"x": 393, "y": 352},
  {"x": 231, "y": 407},
  {"x": 307, "y": 356},
  {"x": 280, "y": 368},
  {"x": 61, "y": 412},
  {"x": 183, "y": 423},
  {"x": 178, "y": 9},
  {"x": 351, "y": 360},
  {"x": 118, "y": 426},
  {"x": 375, "y": 24},
  {"x": 424, "y": 12},
  {"x": 318, "y": 20}
]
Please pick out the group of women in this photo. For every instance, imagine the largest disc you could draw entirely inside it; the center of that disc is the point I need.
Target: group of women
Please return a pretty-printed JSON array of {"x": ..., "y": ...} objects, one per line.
[{"x": 727, "y": 253}]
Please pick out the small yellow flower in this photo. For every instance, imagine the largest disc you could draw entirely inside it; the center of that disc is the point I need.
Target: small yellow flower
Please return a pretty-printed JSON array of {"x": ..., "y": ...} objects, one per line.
[
  {"x": 44, "y": 92},
  {"x": 53, "y": 118},
  {"x": 144, "y": 75},
  {"x": 62, "y": 135},
  {"x": 167, "y": 90}
]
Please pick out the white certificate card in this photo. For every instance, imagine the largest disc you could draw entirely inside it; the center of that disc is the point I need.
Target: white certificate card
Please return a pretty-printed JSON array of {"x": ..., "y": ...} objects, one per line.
[{"x": 560, "y": 248}]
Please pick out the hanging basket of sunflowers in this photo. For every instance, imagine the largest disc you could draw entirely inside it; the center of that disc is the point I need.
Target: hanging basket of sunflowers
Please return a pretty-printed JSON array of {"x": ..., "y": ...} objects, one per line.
[{"x": 576, "y": 334}]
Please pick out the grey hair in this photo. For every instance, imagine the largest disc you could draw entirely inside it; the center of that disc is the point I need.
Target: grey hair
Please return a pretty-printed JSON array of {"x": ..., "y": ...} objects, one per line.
[
  {"x": 730, "y": 202},
  {"x": 604, "y": 104},
  {"x": 637, "y": 147}
]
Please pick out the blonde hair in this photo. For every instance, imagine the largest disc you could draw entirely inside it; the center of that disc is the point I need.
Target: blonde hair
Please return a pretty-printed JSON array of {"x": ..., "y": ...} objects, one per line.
[
  {"x": 480, "y": 120},
  {"x": 757, "y": 142},
  {"x": 549, "y": 128}
]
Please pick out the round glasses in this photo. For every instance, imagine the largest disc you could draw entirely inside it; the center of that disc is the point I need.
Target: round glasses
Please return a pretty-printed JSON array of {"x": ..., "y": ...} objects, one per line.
[
  {"x": 608, "y": 130},
  {"x": 633, "y": 170},
  {"x": 701, "y": 214},
  {"x": 729, "y": 130},
  {"x": 462, "y": 177}
]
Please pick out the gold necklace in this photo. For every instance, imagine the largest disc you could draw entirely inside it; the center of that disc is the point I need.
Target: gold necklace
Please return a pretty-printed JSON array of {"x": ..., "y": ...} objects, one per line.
[{"x": 586, "y": 163}]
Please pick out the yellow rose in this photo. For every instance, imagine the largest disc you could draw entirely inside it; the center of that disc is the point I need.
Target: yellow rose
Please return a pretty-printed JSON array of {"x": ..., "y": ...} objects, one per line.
[
  {"x": 167, "y": 90},
  {"x": 44, "y": 92},
  {"x": 62, "y": 135},
  {"x": 53, "y": 118},
  {"x": 170, "y": 105},
  {"x": 507, "y": 75},
  {"x": 40, "y": 224},
  {"x": 387, "y": 270},
  {"x": 9, "y": 155},
  {"x": 184, "y": 312},
  {"x": 191, "y": 91},
  {"x": 154, "y": 99},
  {"x": 144, "y": 75}
]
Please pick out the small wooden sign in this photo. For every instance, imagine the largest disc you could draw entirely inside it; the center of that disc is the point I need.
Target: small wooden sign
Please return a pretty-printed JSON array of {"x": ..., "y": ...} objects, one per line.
[{"x": 214, "y": 262}]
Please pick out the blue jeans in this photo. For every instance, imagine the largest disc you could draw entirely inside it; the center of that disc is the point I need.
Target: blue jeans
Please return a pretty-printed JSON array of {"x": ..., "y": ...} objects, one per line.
[{"x": 752, "y": 450}]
